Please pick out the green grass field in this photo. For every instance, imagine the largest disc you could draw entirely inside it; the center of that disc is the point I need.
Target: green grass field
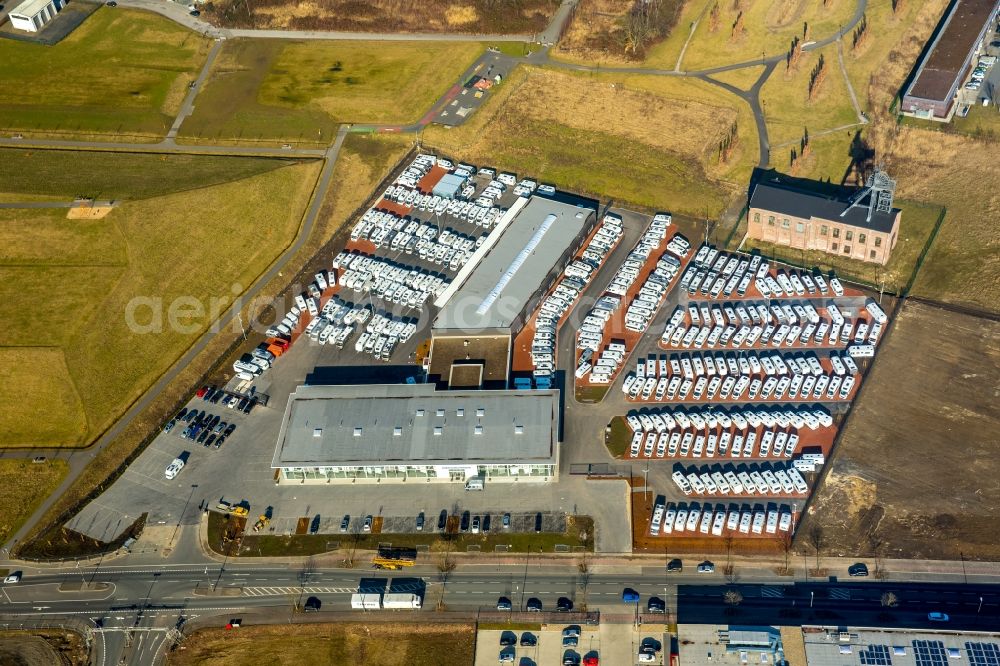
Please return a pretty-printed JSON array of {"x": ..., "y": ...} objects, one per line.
[
  {"x": 23, "y": 485},
  {"x": 75, "y": 363},
  {"x": 301, "y": 91},
  {"x": 64, "y": 174},
  {"x": 786, "y": 104},
  {"x": 915, "y": 228},
  {"x": 123, "y": 72}
]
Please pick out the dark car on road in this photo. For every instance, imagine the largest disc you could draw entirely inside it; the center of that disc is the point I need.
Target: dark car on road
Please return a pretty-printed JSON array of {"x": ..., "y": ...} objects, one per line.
[
  {"x": 229, "y": 429},
  {"x": 345, "y": 523},
  {"x": 211, "y": 440},
  {"x": 564, "y": 605},
  {"x": 203, "y": 436},
  {"x": 534, "y": 605},
  {"x": 420, "y": 521},
  {"x": 503, "y": 604},
  {"x": 859, "y": 569},
  {"x": 656, "y": 605},
  {"x": 219, "y": 441},
  {"x": 312, "y": 605},
  {"x": 675, "y": 566},
  {"x": 443, "y": 519}
]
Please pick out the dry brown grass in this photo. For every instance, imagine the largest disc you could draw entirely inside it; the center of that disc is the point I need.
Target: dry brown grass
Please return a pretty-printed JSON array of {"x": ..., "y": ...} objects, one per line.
[
  {"x": 23, "y": 484},
  {"x": 917, "y": 466},
  {"x": 955, "y": 171},
  {"x": 580, "y": 131},
  {"x": 469, "y": 16},
  {"x": 596, "y": 31},
  {"x": 396, "y": 644}
]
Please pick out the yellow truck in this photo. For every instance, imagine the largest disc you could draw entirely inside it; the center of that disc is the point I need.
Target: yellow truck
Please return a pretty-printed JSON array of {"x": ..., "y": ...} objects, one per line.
[
  {"x": 390, "y": 564},
  {"x": 261, "y": 523},
  {"x": 240, "y": 510}
]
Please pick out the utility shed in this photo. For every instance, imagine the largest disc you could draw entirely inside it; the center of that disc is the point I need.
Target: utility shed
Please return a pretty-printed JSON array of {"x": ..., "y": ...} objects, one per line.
[
  {"x": 449, "y": 186},
  {"x": 32, "y": 15}
]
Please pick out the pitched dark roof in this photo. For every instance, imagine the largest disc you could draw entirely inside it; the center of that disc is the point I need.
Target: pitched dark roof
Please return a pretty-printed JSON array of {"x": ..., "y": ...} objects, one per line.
[{"x": 797, "y": 203}]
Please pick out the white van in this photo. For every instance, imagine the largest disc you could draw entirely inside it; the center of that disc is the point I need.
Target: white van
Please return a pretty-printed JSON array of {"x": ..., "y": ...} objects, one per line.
[{"x": 475, "y": 483}]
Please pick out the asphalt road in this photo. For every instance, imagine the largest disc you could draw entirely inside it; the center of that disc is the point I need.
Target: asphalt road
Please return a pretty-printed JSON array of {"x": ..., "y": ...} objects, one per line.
[{"x": 136, "y": 607}]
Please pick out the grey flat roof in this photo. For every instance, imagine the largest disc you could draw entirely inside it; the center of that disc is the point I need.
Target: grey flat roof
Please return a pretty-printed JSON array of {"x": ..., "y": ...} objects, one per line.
[
  {"x": 462, "y": 310},
  {"x": 939, "y": 73},
  {"x": 517, "y": 426},
  {"x": 797, "y": 203},
  {"x": 901, "y": 646}
]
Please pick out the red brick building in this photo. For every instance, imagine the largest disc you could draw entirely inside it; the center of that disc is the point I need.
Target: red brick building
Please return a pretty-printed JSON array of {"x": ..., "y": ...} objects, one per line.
[{"x": 807, "y": 221}]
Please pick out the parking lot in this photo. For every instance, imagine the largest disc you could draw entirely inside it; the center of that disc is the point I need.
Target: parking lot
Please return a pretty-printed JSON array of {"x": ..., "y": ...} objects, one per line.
[
  {"x": 240, "y": 470},
  {"x": 613, "y": 642}
]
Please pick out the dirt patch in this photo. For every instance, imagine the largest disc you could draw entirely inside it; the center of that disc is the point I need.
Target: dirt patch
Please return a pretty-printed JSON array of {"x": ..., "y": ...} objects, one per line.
[
  {"x": 418, "y": 16},
  {"x": 42, "y": 648},
  {"x": 916, "y": 473},
  {"x": 784, "y": 13},
  {"x": 88, "y": 212},
  {"x": 388, "y": 644}
]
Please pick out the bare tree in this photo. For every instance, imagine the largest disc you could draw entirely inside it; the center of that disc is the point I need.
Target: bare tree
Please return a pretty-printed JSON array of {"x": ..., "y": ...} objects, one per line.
[
  {"x": 732, "y": 598},
  {"x": 816, "y": 541},
  {"x": 786, "y": 548},
  {"x": 889, "y": 600}
]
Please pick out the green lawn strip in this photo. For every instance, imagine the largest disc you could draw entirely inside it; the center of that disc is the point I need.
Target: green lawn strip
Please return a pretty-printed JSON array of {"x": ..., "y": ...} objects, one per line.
[
  {"x": 268, "y": 545},
  {"x": 917, "y": 223},
  {"x": 618, "y": 438}
]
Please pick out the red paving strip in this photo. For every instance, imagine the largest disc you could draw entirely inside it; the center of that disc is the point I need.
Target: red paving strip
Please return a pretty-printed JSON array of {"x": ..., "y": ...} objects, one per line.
[
  {"x": 397, "y": 209},
  {"x": 521, "y": 361},
  {"x": 426, "y": 184},
  {"x": 614, "y": 330}
]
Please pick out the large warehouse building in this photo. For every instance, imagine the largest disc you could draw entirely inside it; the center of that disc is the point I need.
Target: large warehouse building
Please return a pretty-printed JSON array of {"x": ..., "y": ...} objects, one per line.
[
  {"x": 803, "y": 220},
  {"x": 937, "y": 82},
  {"x": 493, "y": 295},
  {"x": 414, "y": 433},
  {"x": 32, "y": 15}
]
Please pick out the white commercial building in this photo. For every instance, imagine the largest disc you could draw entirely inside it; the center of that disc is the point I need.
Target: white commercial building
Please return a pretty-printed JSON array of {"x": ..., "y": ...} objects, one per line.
[
  {"x": 411, "y": 432},
  {"x": 32, "y": 15}
]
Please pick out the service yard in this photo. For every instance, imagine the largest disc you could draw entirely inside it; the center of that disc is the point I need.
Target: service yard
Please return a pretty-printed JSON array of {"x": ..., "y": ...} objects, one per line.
[{"x": 915, "y": 473}]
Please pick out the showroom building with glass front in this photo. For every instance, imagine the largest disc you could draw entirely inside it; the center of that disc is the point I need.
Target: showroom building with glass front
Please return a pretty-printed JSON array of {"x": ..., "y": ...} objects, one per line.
[{"x": 415, "y": 433}]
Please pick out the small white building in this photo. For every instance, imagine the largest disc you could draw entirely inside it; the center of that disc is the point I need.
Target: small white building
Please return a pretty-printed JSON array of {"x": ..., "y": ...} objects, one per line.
[{"x": 32, "y": 15}]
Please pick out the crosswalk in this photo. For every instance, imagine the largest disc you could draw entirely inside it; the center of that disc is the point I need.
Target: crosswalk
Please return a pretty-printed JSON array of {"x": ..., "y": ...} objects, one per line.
[{"x": 278, "y": 591}]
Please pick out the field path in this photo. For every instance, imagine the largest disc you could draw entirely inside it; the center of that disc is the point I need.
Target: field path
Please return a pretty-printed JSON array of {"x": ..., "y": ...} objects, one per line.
[{"x": 188, "y": 106}]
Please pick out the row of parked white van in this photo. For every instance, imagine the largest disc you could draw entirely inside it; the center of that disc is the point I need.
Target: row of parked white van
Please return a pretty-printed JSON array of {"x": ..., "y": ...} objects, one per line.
[
  {"x": 715, "y": 274},
  {"x": 645, "y": 304},
  {"x": 387, "y": 280},
  {"x": 734, "y": 442},
  {"x": 337, "y": 322},
  {"x": 382, "y": 335},
  {"x": 744, "y": 337},
  {"x": 718, "y": 520},
  {"x": 769, "y": 481},
  {"x": 649, "y": 242},
  {"x": 812, "y": 417},
  {"x": 574, "y": 280},
  {"x": 602, "y": 367}
]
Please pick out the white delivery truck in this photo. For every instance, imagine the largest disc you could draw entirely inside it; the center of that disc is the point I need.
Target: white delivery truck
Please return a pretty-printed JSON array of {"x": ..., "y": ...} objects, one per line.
[
  {"x": 366, "y": 601},
  {"x": 401, "y": 601}
]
